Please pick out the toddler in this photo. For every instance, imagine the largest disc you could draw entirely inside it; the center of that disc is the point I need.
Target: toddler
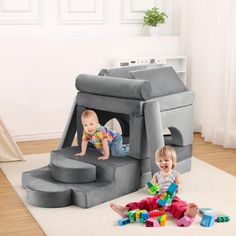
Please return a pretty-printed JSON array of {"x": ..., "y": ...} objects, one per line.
[
  {"x": 101, "y": 137},
  {"x": 166, "y": 160}
]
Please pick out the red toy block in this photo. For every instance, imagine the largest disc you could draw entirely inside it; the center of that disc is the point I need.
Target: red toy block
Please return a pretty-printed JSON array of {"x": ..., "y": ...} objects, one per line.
[{"x": 156, "y": 213}]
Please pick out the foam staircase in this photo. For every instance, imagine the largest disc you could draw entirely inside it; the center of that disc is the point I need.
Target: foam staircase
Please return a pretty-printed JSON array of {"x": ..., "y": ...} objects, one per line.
[{"x": 84, "y": 182}]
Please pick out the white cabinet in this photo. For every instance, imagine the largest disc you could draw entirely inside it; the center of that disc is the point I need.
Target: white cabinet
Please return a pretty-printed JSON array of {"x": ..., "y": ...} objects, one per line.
[{"x": 177, "y": 62}]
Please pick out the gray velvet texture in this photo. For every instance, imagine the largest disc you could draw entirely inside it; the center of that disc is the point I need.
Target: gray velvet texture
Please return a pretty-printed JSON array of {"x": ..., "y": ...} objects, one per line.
[
  {"x": 147, "y": 83},
  {"x": 164, "y": 81},
  {"x": 114, "y": 177},
  {"x": 115, "y": 87},
  {"x": 121, "y": 72},
  {"x": 145, "y": 102}
]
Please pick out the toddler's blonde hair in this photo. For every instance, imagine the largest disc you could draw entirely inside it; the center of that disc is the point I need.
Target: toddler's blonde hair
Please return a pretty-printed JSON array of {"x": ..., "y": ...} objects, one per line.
[
  {"x": 166, "y": 151},
  {"x": 89, "y": 114}
]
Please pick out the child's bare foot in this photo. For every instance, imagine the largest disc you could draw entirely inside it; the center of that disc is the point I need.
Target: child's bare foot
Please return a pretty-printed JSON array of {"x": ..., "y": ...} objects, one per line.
[
  {"x": 191, "y": 210},
  {"x": 121, "y": 210}
]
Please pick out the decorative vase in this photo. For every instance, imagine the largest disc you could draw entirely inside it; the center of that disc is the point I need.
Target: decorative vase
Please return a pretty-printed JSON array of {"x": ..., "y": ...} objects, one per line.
[{"x": 154, "y": 30}]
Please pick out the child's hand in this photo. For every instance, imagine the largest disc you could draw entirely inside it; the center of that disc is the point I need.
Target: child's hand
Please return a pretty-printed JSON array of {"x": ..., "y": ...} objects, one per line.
[
  {"x": 103, "y": 158},
  {"x": 81, "y": 154}
]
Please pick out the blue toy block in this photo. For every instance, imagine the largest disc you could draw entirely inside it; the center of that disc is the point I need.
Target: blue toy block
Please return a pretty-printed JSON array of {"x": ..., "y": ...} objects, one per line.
[
  {"x": 218, "y": 216},
  {"x": 144, "y": 215},
  {"x": 124, "y": 221},
  {"x": 207, "y": 220},
  {"x": 161, "y": 202},
  {"x": 172, "y": 189}
]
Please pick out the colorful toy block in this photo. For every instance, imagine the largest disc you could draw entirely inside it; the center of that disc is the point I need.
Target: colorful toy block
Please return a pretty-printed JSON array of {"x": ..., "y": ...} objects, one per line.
[
  {"x": 167, "y": 197},
  {"x": 132, "y": 214},
  {"x": 163, "y": 196},
  {"x": 124, "y": 221},
  {"x": 204, "y": 210},
  {"x": 156, "y": 213},
  {"x": 161, "y": 220},
  {"x": 144, "y": 215},
  {"x": 172, "y": 189},
  {"x": 207, "y": 220},
  {"x": 152, "y": 223},
  {"x": 221, "y": 217},
  {"x": 185, "y": 221},
  {"x": 161, "y": 202},
  {"x": 153, "y": 188},
  {"x": 142, "y": 221},
  {"x": 218, "y": 216}
]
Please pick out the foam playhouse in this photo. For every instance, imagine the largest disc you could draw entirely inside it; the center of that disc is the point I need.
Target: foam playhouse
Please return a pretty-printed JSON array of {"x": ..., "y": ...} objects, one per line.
[{"x": 145, "y": 101}]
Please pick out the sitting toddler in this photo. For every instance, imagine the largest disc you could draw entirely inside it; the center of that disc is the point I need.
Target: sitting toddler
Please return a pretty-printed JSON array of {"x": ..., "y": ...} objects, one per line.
[{"x": 166, "y": 160}]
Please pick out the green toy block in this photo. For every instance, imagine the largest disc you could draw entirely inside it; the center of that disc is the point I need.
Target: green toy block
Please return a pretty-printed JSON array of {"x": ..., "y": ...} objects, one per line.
[
  {"x": 153, "y": 188},
  {"x": 222, "y": 217},
  {"x": 141, "y": 220},
  {"x": 132, "y": 215}
]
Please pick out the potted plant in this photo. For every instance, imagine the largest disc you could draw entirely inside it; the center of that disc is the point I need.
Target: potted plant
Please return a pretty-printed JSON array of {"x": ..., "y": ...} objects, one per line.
[{"x": 154, "y": 18}]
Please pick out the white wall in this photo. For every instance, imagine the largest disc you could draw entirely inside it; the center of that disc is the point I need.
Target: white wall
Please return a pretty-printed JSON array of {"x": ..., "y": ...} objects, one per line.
[{"x": 44, "y": 45}]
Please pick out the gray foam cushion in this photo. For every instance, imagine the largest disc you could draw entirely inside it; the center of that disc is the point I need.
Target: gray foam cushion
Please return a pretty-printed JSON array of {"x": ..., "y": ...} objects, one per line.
[
  {"x": 72, "y": 171},
  {"x": 115, "y": 87},
  {"x": 174, "y": 101},
  {"x": 105, "y": 170},
  {"x": 164, "y": 81},
  {"x": 115, "y": 177},
  {"x": 147, "y": 83},
  {"x": 121, "y": 72},
  {"x": 104, "y": 103}
]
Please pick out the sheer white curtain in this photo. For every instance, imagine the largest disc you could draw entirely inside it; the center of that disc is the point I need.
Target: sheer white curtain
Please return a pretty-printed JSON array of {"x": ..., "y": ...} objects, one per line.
[{"x": 208, "y": 38}]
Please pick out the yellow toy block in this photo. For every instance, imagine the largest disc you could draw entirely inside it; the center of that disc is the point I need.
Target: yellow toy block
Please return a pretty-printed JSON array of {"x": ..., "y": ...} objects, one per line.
[
  {"x": 163, "y": 196},
  {"x": 162, "y": 220},
  {"x": 138, "y": 213}
]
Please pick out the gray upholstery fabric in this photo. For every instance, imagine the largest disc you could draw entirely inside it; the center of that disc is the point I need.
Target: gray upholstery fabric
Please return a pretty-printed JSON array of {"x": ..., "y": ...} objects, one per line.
[
  {"x": 155, "y": 136},
  {"x": 121, "y": 72},
  {"x": 115, "y": 177},
  {"x": 177, "y": 121},
  {"x": 114, "y": 87},
  {"x": 174, "y": 101},
  {"x": 164, "y": 81},
  {"x": 46, "y": 193},
  {"x": 72, "y": 171},
  {"x": 104, "y": 103},
  {"x": 153, "y": 100}
]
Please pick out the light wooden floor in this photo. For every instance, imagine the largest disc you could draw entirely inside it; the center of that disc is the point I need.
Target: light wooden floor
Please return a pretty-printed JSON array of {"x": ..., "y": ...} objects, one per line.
[{"x": 15, "y": 218}]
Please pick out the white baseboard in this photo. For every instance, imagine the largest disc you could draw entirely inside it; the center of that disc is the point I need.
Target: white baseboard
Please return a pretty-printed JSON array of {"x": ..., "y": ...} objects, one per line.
[{"x": 40, "y": 136}]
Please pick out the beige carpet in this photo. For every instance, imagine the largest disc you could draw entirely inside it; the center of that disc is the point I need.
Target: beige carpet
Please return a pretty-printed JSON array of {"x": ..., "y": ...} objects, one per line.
[{"x": 205, "y": 185}]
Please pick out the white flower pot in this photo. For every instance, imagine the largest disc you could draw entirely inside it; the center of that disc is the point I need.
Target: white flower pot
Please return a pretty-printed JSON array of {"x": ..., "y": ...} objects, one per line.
[{"x": 154, "y": 31}]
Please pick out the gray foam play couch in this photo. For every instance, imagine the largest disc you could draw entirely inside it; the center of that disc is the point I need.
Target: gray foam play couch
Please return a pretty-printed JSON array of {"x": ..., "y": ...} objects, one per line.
[{"x": 145, "y": 101}]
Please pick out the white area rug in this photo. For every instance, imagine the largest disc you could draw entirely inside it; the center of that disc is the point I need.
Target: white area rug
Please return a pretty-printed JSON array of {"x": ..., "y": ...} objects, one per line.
[{"x": 205, "y": 185}]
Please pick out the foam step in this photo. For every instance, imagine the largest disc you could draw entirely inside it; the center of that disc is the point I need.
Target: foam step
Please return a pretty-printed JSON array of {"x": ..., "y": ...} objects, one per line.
[
  {"x": 105, "y": 170},
  {"x": 72, "y": 171},
  {"x": 46, "y": 193}
]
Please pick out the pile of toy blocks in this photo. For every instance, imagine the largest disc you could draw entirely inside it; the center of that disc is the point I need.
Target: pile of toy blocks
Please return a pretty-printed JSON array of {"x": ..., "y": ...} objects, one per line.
[
  {"x": 156, "y": 217},
  {"x": 167, "y": 197},
  {"x": 209, "y": 216},
  {"x": 153, "y": 218}
]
